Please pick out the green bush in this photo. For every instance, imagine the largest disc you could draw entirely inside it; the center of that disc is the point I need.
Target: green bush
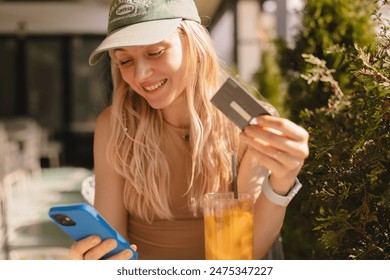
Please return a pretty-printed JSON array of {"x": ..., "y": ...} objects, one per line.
[{"x": 343, "y": 212}]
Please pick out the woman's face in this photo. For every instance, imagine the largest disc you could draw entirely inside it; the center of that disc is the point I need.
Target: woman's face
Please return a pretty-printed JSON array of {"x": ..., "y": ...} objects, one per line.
[{"x": 156, "y": 72}]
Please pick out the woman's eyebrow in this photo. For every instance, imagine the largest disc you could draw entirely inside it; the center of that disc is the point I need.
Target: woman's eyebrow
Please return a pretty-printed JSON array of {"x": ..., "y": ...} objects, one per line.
[{"x": 119, "y": 49}]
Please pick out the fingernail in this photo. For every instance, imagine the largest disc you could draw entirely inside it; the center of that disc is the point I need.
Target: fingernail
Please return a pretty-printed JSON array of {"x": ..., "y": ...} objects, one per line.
[
  {"x": 95, "y": 240},
  {"x": 260, "y": 120},
  {"x": 112, "y": 243},
  {"x": 128, "y": 254}
]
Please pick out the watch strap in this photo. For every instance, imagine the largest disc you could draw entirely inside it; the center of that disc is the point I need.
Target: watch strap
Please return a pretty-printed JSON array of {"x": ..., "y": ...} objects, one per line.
[{"x": 278, "y": 199}]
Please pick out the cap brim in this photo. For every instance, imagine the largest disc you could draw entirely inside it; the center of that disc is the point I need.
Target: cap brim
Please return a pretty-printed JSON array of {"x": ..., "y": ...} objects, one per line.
[{"x": 140, "y": 34}]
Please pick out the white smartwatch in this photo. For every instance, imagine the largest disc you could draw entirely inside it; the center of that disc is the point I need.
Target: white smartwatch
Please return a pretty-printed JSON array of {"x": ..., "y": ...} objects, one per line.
[{"x": 277, "y": 198}]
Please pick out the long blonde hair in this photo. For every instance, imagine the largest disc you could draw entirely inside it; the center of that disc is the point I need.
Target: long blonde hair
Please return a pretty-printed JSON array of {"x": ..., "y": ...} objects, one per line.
[{"x": 134, "y": 148}]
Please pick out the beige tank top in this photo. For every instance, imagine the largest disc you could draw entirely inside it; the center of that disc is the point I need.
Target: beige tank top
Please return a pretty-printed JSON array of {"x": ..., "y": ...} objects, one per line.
[{"x": 182, "y": 238}]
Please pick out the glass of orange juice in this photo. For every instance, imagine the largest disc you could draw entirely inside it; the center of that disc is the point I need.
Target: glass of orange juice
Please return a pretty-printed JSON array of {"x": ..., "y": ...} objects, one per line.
[{"x": 228, "y": 225}]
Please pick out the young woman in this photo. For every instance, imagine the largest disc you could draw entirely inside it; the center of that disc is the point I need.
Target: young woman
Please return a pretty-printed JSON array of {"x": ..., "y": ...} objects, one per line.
[{"x": 162, "y": 145}]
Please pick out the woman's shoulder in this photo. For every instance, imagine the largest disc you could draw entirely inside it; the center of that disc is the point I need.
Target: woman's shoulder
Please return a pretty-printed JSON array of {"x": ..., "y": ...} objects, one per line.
[
  {"x": 104, "y": 117},
  {"x": 103, "y": 122}
]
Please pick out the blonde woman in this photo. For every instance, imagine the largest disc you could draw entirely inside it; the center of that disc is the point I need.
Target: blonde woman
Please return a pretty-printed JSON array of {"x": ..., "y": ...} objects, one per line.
[{"x": 162, "y": 145}]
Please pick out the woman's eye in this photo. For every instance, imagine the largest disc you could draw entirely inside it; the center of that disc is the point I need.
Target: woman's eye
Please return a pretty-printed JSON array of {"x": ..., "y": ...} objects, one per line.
[
  {"x": 125, "y": 61},
  {"x": 156, "y": 53}
]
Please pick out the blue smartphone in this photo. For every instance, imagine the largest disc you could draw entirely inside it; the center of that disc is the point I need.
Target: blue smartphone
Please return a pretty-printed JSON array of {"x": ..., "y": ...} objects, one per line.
[{"x": 82, "y": 220}]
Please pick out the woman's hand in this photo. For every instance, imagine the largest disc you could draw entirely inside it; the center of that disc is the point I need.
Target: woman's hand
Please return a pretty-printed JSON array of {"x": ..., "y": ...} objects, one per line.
[
  {"x": 92, "y": 248},
  {"x": 281, "y": 146}
]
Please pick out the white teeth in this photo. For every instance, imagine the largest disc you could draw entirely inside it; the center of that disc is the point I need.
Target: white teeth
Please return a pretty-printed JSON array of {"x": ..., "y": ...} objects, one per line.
[{"x": 156, "y": 86}]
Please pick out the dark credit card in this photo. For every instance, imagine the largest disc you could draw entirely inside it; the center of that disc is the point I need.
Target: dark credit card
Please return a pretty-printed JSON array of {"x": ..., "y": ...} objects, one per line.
[{"x": 237, "y": 104}]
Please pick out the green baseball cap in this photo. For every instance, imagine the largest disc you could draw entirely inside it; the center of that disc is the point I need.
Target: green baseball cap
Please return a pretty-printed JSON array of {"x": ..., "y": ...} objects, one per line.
[{"x": 143, "y": 22}]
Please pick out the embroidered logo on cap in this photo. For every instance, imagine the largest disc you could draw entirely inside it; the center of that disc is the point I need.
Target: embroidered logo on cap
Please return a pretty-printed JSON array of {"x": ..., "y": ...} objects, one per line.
[{"x": 123, "y": 9}]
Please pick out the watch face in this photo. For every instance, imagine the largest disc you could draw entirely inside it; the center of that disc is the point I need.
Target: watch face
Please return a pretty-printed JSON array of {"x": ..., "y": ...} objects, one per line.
[{"x": 237, "y": 104}]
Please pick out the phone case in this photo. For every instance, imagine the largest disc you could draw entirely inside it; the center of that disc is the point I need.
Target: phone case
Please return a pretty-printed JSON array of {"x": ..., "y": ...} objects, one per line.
[{"x": 82, "y": 220}]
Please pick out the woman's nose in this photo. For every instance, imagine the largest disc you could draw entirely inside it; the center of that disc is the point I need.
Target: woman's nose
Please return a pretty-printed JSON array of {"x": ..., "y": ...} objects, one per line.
[{"x": 143, "y": 69}]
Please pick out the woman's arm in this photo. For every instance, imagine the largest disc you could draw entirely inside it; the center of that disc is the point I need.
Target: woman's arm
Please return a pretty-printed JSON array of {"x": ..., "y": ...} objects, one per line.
[
  {"x": 276, "y": 146},
  {"x": 108, "y": 199},
  {"x": 109, "y": 185}
]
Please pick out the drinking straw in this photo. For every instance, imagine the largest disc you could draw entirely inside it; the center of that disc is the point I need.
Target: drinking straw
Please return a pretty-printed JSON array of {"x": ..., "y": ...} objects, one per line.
[{"x": 234, "y": 171}]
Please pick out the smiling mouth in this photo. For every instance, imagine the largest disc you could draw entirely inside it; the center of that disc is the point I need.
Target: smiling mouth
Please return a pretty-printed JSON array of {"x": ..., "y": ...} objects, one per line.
[{"x": 155, "y": 86}]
